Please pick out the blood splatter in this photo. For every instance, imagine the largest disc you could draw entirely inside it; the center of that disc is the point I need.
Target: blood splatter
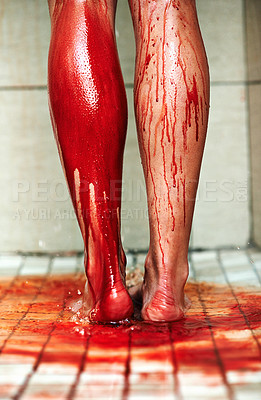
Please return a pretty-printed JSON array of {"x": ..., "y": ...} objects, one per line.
[
  {"x": 214, "y": 307},
  {"x": 219, "y": 335}
]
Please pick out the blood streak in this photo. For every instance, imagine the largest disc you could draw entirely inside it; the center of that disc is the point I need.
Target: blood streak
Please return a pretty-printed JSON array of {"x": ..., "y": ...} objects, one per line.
[
  {"x": 176, "y": 4},
  {"x": 148, "y": 58},
  {"x": 192, "y": 99},
  {"x": 145, "y": 112},
  {"x": 166, "y": 116},
  {"x": 175, "y": 168}
]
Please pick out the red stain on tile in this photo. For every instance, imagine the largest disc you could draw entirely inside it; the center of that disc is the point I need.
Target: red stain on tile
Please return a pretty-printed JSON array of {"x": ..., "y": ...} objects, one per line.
[{"x": 220, "y": 333}]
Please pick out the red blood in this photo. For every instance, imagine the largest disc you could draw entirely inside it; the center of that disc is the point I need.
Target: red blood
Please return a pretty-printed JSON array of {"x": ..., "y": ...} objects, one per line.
[
  {"x": 89, "y": 115},
  {"x": 193, "y": 100},
  {"x": 148, "y": 58},
  {"x": 220, "y": 326}
]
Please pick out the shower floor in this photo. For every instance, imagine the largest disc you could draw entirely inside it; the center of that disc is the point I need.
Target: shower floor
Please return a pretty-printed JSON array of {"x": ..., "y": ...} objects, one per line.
[{"x": 214, "y": 353}]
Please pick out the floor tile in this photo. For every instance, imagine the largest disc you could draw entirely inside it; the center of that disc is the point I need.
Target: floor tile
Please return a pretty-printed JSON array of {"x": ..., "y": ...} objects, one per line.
[
  {"x": 10, "y": 261},
  {"x": 212, "y": 353},
  {"x": 35, "y": 266}
]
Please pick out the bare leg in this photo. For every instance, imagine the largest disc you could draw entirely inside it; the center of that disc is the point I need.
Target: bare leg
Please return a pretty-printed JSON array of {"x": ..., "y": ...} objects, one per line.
[
  {"x": 171, "y": 103},
  {"x": 89, "y": 115}
]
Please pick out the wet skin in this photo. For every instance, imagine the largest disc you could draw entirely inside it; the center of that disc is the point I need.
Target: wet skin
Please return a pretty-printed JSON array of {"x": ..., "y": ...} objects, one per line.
[
  {"x": 89, "y": 115},
  {"x": 171, "y": 102}
]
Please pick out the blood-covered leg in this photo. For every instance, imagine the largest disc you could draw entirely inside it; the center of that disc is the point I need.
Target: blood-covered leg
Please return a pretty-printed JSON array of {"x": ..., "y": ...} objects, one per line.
[
  {"x": 171, "y": 101},
  {"x": 89, "y": 115}
]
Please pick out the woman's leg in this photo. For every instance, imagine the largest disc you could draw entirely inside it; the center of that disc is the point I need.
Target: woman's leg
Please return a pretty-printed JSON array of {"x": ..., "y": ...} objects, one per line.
[
  {"x": 89, "y": 115},
  {"x": 171, "y": 102}
]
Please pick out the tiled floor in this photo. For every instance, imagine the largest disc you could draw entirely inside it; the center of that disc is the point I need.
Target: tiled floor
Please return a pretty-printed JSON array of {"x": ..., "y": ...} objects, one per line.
[{"x": 215, "y": 353}]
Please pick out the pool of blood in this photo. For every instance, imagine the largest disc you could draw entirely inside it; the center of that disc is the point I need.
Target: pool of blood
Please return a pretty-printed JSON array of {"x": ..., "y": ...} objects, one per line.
[{"x": 221, "y": 331}]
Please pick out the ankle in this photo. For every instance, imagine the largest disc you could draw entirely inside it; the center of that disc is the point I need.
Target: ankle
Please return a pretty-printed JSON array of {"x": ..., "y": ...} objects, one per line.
[{"x": 174, "y": 270}]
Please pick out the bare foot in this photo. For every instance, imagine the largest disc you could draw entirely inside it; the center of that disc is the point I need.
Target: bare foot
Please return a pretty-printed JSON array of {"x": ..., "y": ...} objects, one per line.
[
  {"x": 106, "y": 298},
  {"x": 161, "y": 296},
  {"x": 112, "y": 304},
  {"x": 165, "y": 307}
]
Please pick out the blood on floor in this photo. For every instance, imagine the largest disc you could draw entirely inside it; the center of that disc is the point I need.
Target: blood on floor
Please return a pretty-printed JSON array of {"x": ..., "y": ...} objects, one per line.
[{"x": 218, "y": 341}]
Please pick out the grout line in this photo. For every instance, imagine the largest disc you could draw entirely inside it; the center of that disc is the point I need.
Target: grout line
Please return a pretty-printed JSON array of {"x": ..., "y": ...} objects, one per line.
[
  {"x": 177, "y": 391},
  {"x": 228, "y": 387},
  {"x": 253, "y": 82},
  {"x": 75, "y": 384},
  {"x": 24, "y": 386},
  {"x": 239, "y": 306},
  {"x": 126, "y": 386},
  {"x": 12, "y": 88},
  {"x": 53, "y": 254},
  {"x": 134, "y": 262},
  {"x": 132, "y": 251},
  {"x": 28, "y": 308},
  {"x": 129, "y": 85},
  {"x": 236, "y": 83}
]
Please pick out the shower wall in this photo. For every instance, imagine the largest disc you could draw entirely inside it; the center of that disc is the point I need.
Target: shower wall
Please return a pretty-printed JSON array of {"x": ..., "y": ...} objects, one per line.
[{"x": 35, "y": 208}]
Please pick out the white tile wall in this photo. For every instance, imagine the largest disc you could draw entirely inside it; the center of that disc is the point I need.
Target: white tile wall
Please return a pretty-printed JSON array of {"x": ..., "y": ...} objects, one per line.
[
  {"x": 23, "y": 42},
  {"x": 222, "y": 28},
  {"x": 125, "y": 40},
  {"x": 222, "y": 207},
  {"x": 135, "y": 230},
  {"x": 36, "y": 211}
]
